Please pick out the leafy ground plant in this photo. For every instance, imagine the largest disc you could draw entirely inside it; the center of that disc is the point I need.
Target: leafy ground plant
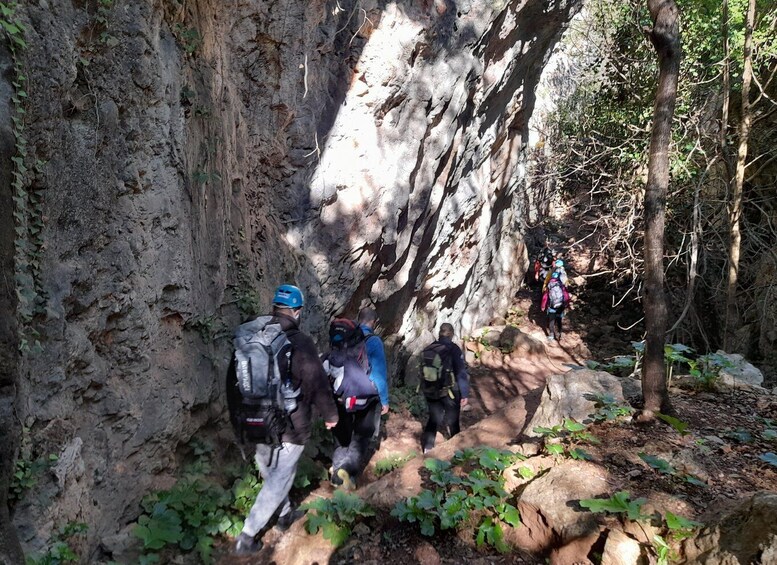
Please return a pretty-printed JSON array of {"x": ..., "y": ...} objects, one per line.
[
  {"x": 61, "y": 549},
  {"x": 195, "y": 510},
  {"x": 677, "y": 529},
  {"x": 468, "y": 490},
  {"x": 26, "y": 474},
  {"x": 188, "y": 515},
  {"x": 391, "y": 462},
  {"x": 607, "y": 407},
  {"x": 706, "y": 370},
  {"x": 769, "y": 432},
  {"x": 411, "y": 399},
  {"x": 618, "y": 503},
  {"x": 336, "y": 516},
  {"x": 564, "y": 439},
  {"x": 663, "y": 466}
]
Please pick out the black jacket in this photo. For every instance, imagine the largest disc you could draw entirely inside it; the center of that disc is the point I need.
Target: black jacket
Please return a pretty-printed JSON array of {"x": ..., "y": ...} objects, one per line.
[
  {"x": 307, "y": 374},
  {"x": 459, "y": 366}
]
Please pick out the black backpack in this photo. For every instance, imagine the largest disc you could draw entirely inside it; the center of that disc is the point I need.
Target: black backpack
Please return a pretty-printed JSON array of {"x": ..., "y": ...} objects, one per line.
[
  {"x": 265, "y": 393},
  {"x": 437, "y": 377},
  {"x": 348, "y": 366}
]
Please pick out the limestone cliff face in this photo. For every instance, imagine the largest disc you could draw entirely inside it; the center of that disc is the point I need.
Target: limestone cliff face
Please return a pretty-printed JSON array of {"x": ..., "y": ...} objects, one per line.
[{"x": 197, "y": 154}]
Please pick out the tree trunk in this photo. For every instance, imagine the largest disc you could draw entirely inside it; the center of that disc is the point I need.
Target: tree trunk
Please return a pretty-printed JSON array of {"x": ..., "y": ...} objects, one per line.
[
  {"x": 735, "y": 206},
  {"x": 665, "y": 37}
]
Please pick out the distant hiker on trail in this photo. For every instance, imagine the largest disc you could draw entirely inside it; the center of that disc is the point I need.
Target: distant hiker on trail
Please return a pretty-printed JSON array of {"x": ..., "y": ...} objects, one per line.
[
  {"x": 543, "y": 264},
  {"x": 558, "y": 267},
  {"x": 274, "y": 380},
  {"x": 445, "y": 385},
  {"x": 554, "y": 301},
  {"x": 376, "y": 355},
  {"x": 360, "y": 391}
]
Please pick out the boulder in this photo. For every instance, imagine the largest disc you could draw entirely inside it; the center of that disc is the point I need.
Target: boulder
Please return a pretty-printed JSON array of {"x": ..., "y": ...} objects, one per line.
[
  {"x": 747, "y": 534},
  {"x": 514, "y": 340},
  {"x": 741, "y": 373},
  {"x": 575, "y": 552},
  {"x": 548, "y": 505},
  {"x": 621, "y": 549},
  {"x": 565, "y": 397}
]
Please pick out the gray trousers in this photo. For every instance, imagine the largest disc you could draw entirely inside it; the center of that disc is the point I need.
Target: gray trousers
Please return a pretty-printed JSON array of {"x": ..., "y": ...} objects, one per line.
[{"x": 278, "y": 479}]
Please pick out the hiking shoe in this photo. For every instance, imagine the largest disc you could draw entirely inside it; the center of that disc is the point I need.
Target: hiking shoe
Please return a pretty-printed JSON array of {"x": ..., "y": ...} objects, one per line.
[
  {"x": 284, "y": 522},
  {"x": 246, "y": 544},
  {"x": 551, "y": 338},
  {"x": 342, "y": 478}
]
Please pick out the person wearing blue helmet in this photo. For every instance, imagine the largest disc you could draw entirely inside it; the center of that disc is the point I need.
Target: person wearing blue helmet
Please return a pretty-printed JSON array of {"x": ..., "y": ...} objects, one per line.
[
  {"x": 288, "y": 296},
  {"x": 278, "y": 466}
]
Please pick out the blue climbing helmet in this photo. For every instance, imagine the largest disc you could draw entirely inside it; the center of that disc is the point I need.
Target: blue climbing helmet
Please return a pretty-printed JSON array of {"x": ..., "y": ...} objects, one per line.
[
  {"x": 559, "y": 263},
  {"x": 288, "y": 296}
]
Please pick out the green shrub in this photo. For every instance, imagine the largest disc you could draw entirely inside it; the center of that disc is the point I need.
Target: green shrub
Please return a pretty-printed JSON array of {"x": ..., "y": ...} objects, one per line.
[
  {"x": 607, "y": 408},
  {"x": 190, "y": 515},
  {"x": 566, "y": 438},
  {"x": 61, "y": 548},
  {"x": 411, "y": 399},
  {"x": 336, "y": 516},
  {"x": 469, "y": 489}
]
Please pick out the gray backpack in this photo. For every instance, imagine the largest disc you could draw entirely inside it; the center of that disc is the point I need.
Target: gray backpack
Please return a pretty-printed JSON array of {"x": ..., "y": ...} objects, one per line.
[{"x": 263, "y": 366}]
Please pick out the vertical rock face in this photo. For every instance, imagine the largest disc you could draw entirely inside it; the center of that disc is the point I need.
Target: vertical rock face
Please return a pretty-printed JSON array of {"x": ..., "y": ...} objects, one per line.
[{"x": 194, "y": 155}]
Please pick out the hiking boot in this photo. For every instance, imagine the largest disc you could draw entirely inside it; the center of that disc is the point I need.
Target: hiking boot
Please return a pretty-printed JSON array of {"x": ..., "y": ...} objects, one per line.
[
  {"x": 551, "y": 338},
  {"x": 246, "y": 544},
  {"x": 342, "y": 478},
  {"x": 284, "y": 522}
]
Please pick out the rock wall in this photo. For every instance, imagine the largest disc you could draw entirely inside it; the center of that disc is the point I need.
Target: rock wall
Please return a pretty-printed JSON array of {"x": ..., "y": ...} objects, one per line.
[
  {"x": 196, "y": 154},
  {"x": 10, "y": 552}
]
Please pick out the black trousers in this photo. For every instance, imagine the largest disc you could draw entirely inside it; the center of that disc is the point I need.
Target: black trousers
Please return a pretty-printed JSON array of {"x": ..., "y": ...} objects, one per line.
[
  {"x": 444, "y": 416},
  {"x": 353, "y": 433},
  {"x": 554, "y": 322}
]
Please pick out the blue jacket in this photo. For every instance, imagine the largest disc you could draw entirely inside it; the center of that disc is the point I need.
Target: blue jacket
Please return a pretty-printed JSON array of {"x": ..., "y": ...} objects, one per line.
[
  {"x": 459, "y": 366},
  {"x": 377, "y": 359}
]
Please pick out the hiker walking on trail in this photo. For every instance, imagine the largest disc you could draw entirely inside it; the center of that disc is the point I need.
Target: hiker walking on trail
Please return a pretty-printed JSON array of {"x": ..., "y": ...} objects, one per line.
[
  {"x": 543, "y": 264},
  {"x": 275, "y": 378},
  {"x": 554, "y": 301},
  {"x": 376, "y": 355},
  {"x": 360, "y": 390},
  {"x": 445, "y": 385},
  {"x": 558, "y": 267}
]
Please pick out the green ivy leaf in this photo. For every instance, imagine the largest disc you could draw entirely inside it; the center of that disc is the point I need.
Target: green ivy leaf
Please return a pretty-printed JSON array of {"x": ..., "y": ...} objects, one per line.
[
  {"x": 661, "y": 465},
  {"x": 769, "y": 457},
  {"x": 580, "y": 454},
  {"x": 676, "y": 522},
  {"x": 427, "y": 527},
  {"x": 694, "y": 480},
  {"x": 511, "y": 516},
  {"x": 679, "y": 426},
  {"x": 555, "y": 449},
  {"x": 572, "y": 426},
  {"x": 335, "y": 534},
  {"x": 526, "y": 472}
]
